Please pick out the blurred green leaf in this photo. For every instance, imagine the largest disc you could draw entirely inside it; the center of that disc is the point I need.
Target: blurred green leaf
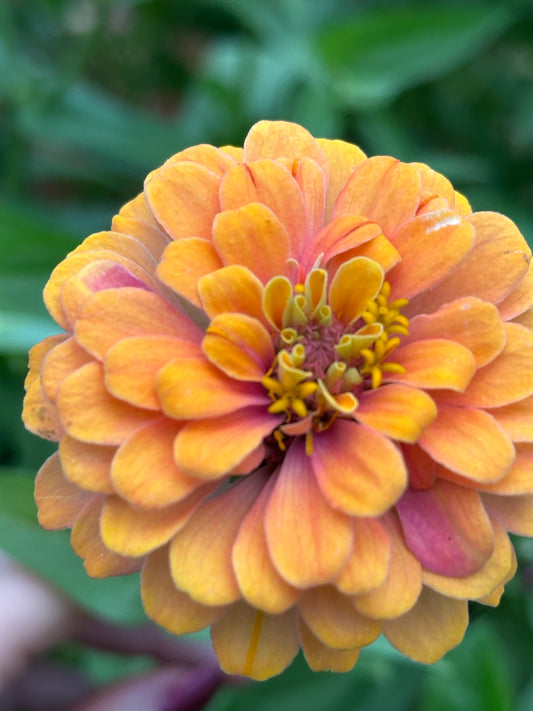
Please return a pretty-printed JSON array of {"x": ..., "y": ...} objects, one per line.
[{"x": 374, "y": 57}]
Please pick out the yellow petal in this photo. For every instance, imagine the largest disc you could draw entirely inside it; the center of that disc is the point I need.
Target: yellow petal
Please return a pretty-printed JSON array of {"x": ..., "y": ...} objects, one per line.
[
  {"x": 39, "y": 415},
  {"x": 62, "y": 360},
  {"x": 519, "y": 479},
  {"x": 367, "y": 566},
  {"x": 277, "y": 139},
  {"x": 320, "y": 657},
  {"x": 434, "y": 364},
  {"x": 87, "y": 465},
  {"x": 58, "y": 500},
  {"x": 233, "y": 289},
  {"x": 516, "y": 419},
  {"x": 355, "y": 283},
  {"x": 37, "y": 355},
  {"x": 520, "y": 298}
]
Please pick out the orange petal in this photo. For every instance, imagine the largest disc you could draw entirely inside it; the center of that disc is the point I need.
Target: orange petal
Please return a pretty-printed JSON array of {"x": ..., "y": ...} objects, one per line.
[
  {"x": 239, "y": 345},
  {"x": 320, "y": 657},
  {"x": 183, "y": 197},
  {"x": 131, "y": 531},
  {"x": 87, "y": 465},
  {"x": 37, "y": 355},
  {"x": 111, "y": 315},
  {"x": 355, "y": 283},
  {"x": 398, "y": 411},
  {"x": 59, "y": 502},
  {"x": 424, "y": 262},
  {"x": 447, "y": 528},
  {"x": 519, "y": 479},
  {"x": 277, "y": 139},
  {"x": 137, "y": 209},
  {"x": 435, "y": 625},
  {"x": 132, "y": 364},
  {"x": 233, "y": 289},
  {"x": 253, "y": 237},
  {"x": 144, "y": 471},
  {"x": 493, "y": 268},
  {"x": 490, "y": 576},
  {"x": 62, "y": 360},
  {"x": 312, "y": 181},
  {"x": 39, "y": 415},
  {"x": 122, "y": 244},
  {"x": 423, "y": 470},
  {"x": 308, "y": 540},
  {"x": 86, "y": 541},
  {"x": 469, "y": 442},
  {"x": 382, "y": 189},
  {"x": 516, "y": 419},
  {"x": 342, "y": 158},
  {"x": 251, "y": 643},
  {"x": 165, "y": 604},
  {"x": 193, "y": 388},
  {"x": 269, "y": 183},
  {"x": 434, "y": 364},
  {"x": 214, "y": 159},
  {"x": 141, "y": 225},
  {"x": 402, "y": 585},
  {"x": 89, "y": 413},
  {"x": 366, "y": 568},
  {"x": 506, "y": 379},
  {"x": 514, "y": 513},
  {"x": 210, "y": 448},
  {"x": 520, "y": 298},
  {"x": 200, "y": 554},
  {"x": 435, "y": 183},
  {"x": 358, "y": 470},
  {"x": 469, "y": 321},
  {"x": 260, "y": 583},
  {"x": 185, "y": 262},
  {"x": 337, "y": 237},
  {"x": 332, "y": 618}
]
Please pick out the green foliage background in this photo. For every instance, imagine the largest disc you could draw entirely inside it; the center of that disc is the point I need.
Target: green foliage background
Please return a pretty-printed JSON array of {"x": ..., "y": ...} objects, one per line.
[{"x": 95, "y": 93}]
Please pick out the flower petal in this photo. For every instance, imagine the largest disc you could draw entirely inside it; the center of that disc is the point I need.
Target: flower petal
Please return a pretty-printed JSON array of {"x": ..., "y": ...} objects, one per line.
[
  {"x": 233, "y": 289},
  {"x": 309, "y": 542},
  {"x": 210, "y": 448},
  {"x": 311, "y": 178},
  {"x": 435, "y": 625},
  {"x": 434, "y": 364},
  {"x": 37, "y": 355},
  {"x": 64, "y": 358},
  {"x": 331, "y": 616},
  {"x": 520, "y": 298},
  {"x": 514, "y": 513},
  {"x": 355, "y": 283},
  {"x": 58, "y": 500},
  {"x": 397, "y": 411},
  {"x": 214, "y": 159},
  {"x": 277, "y": 139},
  {"x": 87, "y": 465},
  {"x": 447, "y": 529},
  {"x": 250, "y": 642},
  {"x": 144, "y": 471},
  {"x": 342, "y": 158},
  {"x": 337, "y": 237},
  {"x": 165, "y": 604},
  {"x": 516, "y": 419},
  {"x": 519, "y": 479},
  {"x": 358, "y": 470},
  {"x": 200, "y": 554},
  {"x": 320, "y": 657},
  {"x": 367, "y": 566},
  {"x": 39, "y": 415}
]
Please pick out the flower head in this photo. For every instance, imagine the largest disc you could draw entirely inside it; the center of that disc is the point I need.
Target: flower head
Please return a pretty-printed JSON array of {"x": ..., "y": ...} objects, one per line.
[{"x": 295, "y": 387}]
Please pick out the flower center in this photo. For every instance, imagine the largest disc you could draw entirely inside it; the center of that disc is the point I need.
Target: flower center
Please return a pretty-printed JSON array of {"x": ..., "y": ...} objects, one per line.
[{"x": 330, "y": 345}]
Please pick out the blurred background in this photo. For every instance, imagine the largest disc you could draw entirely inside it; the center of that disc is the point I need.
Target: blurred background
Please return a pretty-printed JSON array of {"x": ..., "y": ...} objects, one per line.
[{"x": 96, "y": 93}]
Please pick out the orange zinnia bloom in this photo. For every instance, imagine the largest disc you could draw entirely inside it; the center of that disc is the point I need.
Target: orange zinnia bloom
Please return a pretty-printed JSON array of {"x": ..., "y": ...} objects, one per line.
[{"x": 296, "y": 388}]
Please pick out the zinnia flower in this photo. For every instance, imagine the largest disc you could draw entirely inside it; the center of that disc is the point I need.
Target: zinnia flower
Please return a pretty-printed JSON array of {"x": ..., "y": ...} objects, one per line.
[{"x": 295, "y": 388}]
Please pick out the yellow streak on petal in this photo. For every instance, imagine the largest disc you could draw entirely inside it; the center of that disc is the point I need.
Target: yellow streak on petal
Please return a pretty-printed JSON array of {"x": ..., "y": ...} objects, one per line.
[{"x": 254, "y": 643}]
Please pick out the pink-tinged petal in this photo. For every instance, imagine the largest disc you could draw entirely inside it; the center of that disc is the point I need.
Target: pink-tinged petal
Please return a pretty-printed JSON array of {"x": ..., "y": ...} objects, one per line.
[
  {"x": 183, "y": 197},
  {"x": 60, "y": 362},
  {"x": 423, "y": 470},
  {"x": 516, "y": 419},
  {"x": 132, "y": 531},
  {"x": 320, "y": 657},
  {"x": 519, "y": 299},
  {"x": 447, "y": 529},
  {"x": 514, "y": 513},
  {"x": 239, "y": 345},
  {"x": 397, "y": 411},
  {"x": 367, "y": 566},
  {"x": 87, "y": 465},
  {"x": 253, "y": 237},
  {"x": 58, "y": 500},
  {"x": 342, "y": 158},
  {"x": 165, "y": 604},
  {"x": 494, "y": 266},
  {"x": 185, "y": 262},
  {"x": 337, "y": 237},
  {"x": 37, "y": 355},
  {"x": 384, "y": 190},
  {"x": 356, "y": 282},
  {"x": 271, "y": 184},
  {"x": 312, "y": 181},
  {"x": 193, "y": 388},
  {"x": 125, "y": 245},
  {"x": 39, "y": 415},
  {"x": 332, "y": 617},
  {"x": 132, "y": 364},
  {"x": 281, "y": 139},
  {"x": 210, "y": 448},
  {"x": 109, "y": 316},
  {"x": 89, "y": 413},
  {"x": 86, "y": 541},
  {"x": 434, "y": 364},
  {"x": 233, "y": 289},
  {"x": 214, "y": 159},
  {"x": 402, "y": 585},
  {"x": 424, "y": 262},
  {"x": 469, "y": 442},
  {"x": 435, "y": 625},
  {"x": 260, "y": 583},
  {"x": 469, "y": 321},
  {"x": 144, "y": 471},
  {"x": 200, "y": 554},
  {"x": 250, "y": 642},
  {"x": 435, "y": 183},
  {"x": 358, "y": 470},
  {"x": 491, "y": 575},
  {"x": 309, "y": 541}
]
